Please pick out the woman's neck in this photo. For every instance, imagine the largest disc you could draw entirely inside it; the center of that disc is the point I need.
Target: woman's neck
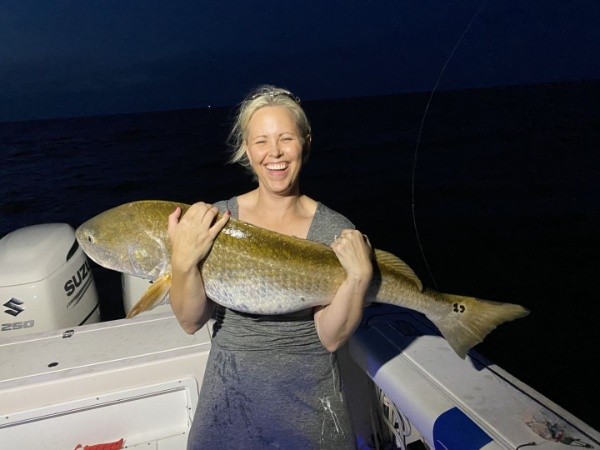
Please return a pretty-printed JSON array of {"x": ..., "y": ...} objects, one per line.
[{"x": 290, "y": 214}]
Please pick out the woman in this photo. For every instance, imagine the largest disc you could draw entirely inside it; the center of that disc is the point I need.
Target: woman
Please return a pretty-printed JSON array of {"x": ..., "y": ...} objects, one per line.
[{"x": 271, "y": 381}]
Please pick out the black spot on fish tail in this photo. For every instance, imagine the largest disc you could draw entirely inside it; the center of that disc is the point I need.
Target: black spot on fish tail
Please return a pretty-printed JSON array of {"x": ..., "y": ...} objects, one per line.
[{"x": 470, "y": 320}]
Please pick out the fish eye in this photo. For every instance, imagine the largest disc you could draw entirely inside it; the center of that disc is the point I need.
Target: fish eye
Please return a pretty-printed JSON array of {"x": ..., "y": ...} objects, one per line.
[{"x": 90, "y": 239}]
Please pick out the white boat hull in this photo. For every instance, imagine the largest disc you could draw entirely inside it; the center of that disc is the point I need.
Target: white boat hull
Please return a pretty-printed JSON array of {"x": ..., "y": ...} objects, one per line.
[
  {"x": 132, "y": 379},
  {"x": 139, "y": 379}
]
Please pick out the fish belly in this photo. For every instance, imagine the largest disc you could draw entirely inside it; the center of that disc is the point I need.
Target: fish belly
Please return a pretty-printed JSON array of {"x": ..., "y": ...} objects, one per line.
[{"x": 253, "y": 278}]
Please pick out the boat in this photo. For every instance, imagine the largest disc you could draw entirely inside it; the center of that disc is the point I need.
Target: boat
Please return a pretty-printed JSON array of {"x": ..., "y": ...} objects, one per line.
[{"x": 69, "y": 380}]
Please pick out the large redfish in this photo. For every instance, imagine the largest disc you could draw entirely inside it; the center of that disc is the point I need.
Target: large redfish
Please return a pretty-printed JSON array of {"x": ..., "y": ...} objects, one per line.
[{"x": 257, "y": 271}]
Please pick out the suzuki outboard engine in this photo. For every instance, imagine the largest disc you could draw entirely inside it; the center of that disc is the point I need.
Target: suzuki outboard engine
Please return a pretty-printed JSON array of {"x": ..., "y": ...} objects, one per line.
[{"x": 46, "y": 281}]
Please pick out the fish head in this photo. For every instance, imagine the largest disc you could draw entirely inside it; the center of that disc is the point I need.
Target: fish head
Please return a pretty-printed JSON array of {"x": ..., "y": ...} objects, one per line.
[{"x": 131, "y": 238}]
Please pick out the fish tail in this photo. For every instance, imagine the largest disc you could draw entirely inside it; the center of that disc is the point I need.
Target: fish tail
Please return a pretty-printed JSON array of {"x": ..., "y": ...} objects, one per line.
[
  {"x": 156, "y": 292},
  {"x": 470, "y": 319}
]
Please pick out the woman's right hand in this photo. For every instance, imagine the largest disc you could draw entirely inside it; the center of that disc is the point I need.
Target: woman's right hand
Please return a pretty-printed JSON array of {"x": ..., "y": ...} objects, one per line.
[{"x": 192, "y": 235}]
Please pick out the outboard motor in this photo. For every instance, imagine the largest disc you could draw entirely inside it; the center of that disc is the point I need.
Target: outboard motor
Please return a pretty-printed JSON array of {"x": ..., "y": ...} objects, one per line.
[{"x": 46, "y": 281}]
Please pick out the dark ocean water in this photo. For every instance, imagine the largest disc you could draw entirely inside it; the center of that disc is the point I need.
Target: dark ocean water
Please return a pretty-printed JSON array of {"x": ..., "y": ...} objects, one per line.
[{"x": 506, "y": 200}]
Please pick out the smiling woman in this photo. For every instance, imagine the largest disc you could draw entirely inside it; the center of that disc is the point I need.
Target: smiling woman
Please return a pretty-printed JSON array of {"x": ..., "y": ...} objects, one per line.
[
  {"x": 261, "y": 365},
  {"x": 267, "y": 95},
  {"x": 274, "y": 148}
]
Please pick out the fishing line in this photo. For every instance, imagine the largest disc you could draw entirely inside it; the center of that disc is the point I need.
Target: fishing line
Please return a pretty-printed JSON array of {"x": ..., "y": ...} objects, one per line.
[{"x": 414, "y": 167}]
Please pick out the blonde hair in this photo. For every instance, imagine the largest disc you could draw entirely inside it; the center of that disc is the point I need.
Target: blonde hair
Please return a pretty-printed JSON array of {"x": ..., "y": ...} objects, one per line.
[{"x": 266, "y": 95}]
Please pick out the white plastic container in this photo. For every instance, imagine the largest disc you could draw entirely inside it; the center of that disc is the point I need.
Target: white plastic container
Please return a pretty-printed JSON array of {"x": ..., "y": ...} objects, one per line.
[{"x": 46, "y": 281}]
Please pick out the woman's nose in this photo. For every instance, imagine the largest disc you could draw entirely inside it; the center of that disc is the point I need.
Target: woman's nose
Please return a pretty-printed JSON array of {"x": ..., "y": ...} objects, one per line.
[{"x": 275, "y": 150}]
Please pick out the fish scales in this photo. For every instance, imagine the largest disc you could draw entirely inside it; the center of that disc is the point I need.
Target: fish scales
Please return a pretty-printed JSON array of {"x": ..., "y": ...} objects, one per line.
[
  {"x": 254, "y": 270},
  {"x": 251, "y": 270}
]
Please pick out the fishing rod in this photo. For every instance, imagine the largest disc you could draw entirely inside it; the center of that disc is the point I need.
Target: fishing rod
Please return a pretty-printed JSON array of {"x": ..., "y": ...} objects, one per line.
[{"x": 418, "y": 142}]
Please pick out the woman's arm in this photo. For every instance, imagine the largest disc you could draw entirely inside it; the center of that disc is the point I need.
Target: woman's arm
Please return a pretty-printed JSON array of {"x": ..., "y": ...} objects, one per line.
[
  {"x": 192, "y": 237},
  {"x": 337, "y": 321}
]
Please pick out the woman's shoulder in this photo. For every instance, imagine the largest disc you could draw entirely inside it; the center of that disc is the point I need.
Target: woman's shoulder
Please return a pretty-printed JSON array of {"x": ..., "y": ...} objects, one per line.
[
  {"x": 327, "y": 224},
  {"x": 334, "y": 218}
]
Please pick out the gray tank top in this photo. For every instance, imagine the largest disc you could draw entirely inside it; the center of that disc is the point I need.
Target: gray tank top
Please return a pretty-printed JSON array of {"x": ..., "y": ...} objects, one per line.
[
  {"x": 289, "y": 333},
  {"x": 269, "y": 382}
]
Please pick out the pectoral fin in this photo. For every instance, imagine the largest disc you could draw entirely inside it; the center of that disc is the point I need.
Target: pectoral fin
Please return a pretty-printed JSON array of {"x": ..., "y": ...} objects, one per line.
[{"x": 153, "y": 295}]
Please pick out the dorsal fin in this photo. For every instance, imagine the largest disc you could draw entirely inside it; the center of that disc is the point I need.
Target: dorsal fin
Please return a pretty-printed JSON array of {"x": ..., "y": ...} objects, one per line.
[{"x": 393, "y": 262}]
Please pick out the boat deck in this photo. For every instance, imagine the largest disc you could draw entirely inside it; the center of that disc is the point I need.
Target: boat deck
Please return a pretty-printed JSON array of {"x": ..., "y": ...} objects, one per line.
[
  {"x": 129, "y": 378},
  {"x": 139, "y": 379}
]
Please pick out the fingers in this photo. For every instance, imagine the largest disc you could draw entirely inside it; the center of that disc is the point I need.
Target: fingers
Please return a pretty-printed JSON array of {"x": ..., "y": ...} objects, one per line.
[
  {"x": 174, "y": 219},
  {"x": 367, "y": 241},
  {"x": 351, "y": 244},
  {"x": 350, "y": 237},
  {"x": 353, "y": 250},
  {"x": 208, "y": 220},
  {"x": 200, "y": 213},
  {"x": 198, "y": 222},
  {"x": 192, "y": 234},
  {"x": 220, "y": 224}
]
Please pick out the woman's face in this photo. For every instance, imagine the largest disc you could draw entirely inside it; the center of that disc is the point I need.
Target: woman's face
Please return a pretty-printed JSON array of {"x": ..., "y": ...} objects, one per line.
[{"x": 274, "y": 148}]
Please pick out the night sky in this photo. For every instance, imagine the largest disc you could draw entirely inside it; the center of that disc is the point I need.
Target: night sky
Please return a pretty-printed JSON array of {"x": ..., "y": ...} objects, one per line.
[{"x": 98, "y": 57}]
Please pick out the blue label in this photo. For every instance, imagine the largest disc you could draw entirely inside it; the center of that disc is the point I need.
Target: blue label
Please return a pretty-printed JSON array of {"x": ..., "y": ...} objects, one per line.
[{"x": 453, "y": 430}]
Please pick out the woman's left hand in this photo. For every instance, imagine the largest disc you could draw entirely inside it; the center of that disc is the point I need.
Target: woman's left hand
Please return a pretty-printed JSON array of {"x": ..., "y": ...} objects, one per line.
[
  {"x": 337, "y": 321},
  {"x": 354, "y": 252}
]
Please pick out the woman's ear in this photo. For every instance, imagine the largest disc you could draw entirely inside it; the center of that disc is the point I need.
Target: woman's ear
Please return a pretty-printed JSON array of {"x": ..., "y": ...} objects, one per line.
[
  {"x": 307, "y": 147},
  {"x": 247, "y": 153}
]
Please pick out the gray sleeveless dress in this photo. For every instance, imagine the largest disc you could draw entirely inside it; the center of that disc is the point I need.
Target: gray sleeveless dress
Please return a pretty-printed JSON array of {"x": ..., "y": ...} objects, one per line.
[{"x": 269, "y": 382}]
